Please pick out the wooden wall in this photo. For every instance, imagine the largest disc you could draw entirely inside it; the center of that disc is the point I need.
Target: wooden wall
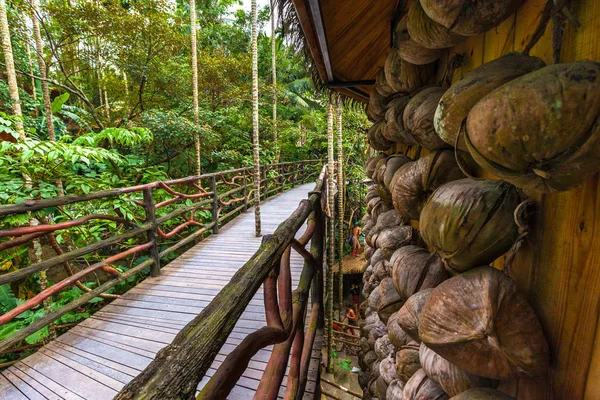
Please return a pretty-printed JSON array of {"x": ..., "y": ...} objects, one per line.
[{"x": 559, "y": 270}]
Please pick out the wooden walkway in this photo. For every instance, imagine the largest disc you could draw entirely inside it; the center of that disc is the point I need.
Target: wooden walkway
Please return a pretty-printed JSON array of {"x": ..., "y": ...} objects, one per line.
[{"x": 95, "y": 359}]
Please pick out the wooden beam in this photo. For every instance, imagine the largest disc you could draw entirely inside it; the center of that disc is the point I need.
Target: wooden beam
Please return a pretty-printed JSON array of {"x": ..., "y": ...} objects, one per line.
[
  {"x": 315, "y": 9},
  {"x": 351, "y": 84}
]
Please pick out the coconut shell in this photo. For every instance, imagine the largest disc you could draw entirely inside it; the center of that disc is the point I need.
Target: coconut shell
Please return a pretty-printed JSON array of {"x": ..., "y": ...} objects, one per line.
[
  {"x": 372, "y": 163},
  {"x": 478, "y": 221},
  {"x": 404, "y": 77},
  {"x": 415, "y": 181},
  {"x": 381, "y": 84},
  {"x": 541, "y": 131},
  {"x": 416, "y": 269},
  {"x": 410, "y": 50},
  {"x": 457, "y": 101},
  {"x": 418, "y": 118},
  {"x": 470, "y": 18},
  {"x": 396, "y": 334},
  {"x": 389, "y": 300},
  {"x": 376, "y": 332},
  {"x": 428, "y": 33},
  {"x": 363, "y": 379},
  {"x": 376, "y": 138},
  {"x": 407, "y": 317},
  {"x": 372, "y": 388},
  {"x": 482, "y": 394},
  {"x": 420, "y": 387},
  {"x": 380, "y": 208},
  {"x": 377, "y": 106},
  {"x": 389, "y": 219},
  {"x": 395, "y": 390},
  {"x": 384, "y": 347},
  {"x": 384, "y": 193},
  {"x": 387, "y": 369},
  {"x": 394, "y": 129},
  {"x": 380, "y": 388},
  {"x": 393, "y": 238},
  {"x": 370, "y": 357},
  {"x": 393, "y": 164},
  {"x": 479, "y": 322},
  {"x": 381, "y": 255},
  {"x": 407, "y": 361},
  {"x": 450, "y": 378}
]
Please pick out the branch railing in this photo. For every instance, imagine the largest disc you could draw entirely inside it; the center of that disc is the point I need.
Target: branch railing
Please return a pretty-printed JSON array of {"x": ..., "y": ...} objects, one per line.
[
  {"x": 178, "y": 368},
  {"x": 153, "y": 215}
]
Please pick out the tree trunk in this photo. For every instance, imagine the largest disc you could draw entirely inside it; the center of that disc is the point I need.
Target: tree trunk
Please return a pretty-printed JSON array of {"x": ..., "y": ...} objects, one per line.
[
  {"x": 330, "y": 230},
  {"x": 341, "y": 193},
  {"x": 195, "y": 83},
  {"x": 43, "y": 70},
  {"x": 255, "y": 143},
  {"x": 13, "y": 89},
  {"x": 274, "y": 69},
  {"x": 28, "y": 50}
]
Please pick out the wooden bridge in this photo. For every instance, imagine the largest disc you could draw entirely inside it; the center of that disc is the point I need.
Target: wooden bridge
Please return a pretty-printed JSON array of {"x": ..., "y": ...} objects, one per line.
[{"x": 97, "y": 358}]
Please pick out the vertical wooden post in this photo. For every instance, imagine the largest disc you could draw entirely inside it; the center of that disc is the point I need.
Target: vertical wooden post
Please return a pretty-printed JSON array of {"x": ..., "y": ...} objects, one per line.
[
  {"x": 341, "y": 193},
  {"x": 152, "y": 233},
  {"x": 215, "y": 204},
  {"x": 330, "y": 230},
  {"x": 266, "y": 182},
  {"x": 281, "y": 178},
  {"x": 245, "y": 191}
]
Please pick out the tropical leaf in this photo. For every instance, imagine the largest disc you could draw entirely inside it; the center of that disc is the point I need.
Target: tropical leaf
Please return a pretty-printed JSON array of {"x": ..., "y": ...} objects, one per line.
[{"x": 58, "y": 102}]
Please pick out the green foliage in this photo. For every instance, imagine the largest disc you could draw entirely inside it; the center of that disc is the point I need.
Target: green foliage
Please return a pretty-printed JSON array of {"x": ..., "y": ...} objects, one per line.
[{"x": 345, "y": 365}]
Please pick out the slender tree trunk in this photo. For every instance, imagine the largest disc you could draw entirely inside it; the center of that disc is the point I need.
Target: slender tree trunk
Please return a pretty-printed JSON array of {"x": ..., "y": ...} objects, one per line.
[
  {"x": 29, "y": 64},
  {"x": 43, "y": 70},
  {"x": 255, "y": 144},
  {"x": 13, "y": 89},
  {"x": 341, "y": 193},
  {"x": 274, "y": 70},
  {"x": 195, "y": 83},
  {"x": 330, "y": 230}
]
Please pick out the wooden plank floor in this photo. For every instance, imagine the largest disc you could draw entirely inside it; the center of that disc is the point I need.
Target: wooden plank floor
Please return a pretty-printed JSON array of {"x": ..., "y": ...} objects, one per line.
[{"x": 95, "y": 359}]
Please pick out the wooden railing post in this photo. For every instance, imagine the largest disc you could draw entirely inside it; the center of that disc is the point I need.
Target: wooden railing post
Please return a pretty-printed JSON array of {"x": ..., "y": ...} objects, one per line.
[
  {"x": 215, "y": 204},
  {"x": 245, "y": 191},
  {"x": 152, "y": 235},
  {"x": 281, "y": 178},
  {"x": 263, "y": 175}
]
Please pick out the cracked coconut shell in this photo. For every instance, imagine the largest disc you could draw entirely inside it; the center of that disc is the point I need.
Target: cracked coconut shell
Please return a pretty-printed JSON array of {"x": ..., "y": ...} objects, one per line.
[
  {"x": 376, "y": 138},
  {"x": 393, "y": 164},
  {"x": 470, "y": 222},
  {"x": 387, "y": 369},
  {"x": 408, "y": 316},
  {"x": 395, "y": 390},
  {"x": 415, "y": 181},
  {"x": 450, "y": 378},
  {"x": 479, "y": 322},
  {"x": 394, "y": 238},
  {"x": 455, "y": 104},
  {"x": 541, "y": 131},
  {"x": 418, "y": 118},
  {"x": 420, "y": 387},
  {"x": 396, "y": 334},
  {"x": 407, "y": 361},
  {"x": 428, "y": 33},
  {"x": 416, "y": 269}
]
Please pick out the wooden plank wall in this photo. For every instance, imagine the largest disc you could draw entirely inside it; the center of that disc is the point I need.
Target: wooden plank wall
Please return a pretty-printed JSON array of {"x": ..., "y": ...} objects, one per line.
[{"x": 559, "y": 270}]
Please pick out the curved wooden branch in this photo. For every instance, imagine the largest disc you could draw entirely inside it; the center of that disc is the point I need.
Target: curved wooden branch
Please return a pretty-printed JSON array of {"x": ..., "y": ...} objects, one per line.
[{"x": 24, "y": 230}]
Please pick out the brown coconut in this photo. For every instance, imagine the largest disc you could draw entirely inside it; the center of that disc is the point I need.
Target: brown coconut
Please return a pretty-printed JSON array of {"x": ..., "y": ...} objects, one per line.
[
  {"x": 407, "y": 361},
  {"x": 379, "y": 208},
  {"x": 396, "y": 334},
  {"x": 394, "y": 129},
  {"x": 387, "y": 369},
  {"x": 428, "y": 33},
  {"x": 389, "y": 300},
  {"x": 416, "y": 269},
  {"x": 478, "y": 221},
  {"x": 418, "y": 118},
  {"x": 410, "y": 50},
  {"x": 541, "y": 131},
  {"x": 389, "y": 219},
  {"x": 407, "y": 317},
  {"x": 372, "y": 164},
  {"x": 393, "y": 238},
  {"x": 377, "y": 105},
  {"x": 482, "y": 394},
  {"x": 450, "y": 378},
  {"x": 457, "y": 101},
  {"x": 381, "y": 84},
  {"x": 470, "y": 18},
  {"x": 404, "y": 77},
  {"x": 415, "y": 181},
  {"x": 376, "y": 332},
  {"x": 393, "y": 164},
  {"x": 395, "y": 390},
  {"x": 376, "y": 138},
  {"x": 479, "y": 322},
  {"x": 420, "y": 387},
  {"x": 384, "y": 347},
  {"x": 380, "y": 388}
]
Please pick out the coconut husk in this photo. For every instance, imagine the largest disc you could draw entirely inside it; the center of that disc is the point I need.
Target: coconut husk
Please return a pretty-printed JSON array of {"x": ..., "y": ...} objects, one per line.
[
  {"x": 450, "y": 378},
  {"x": 393, "y": 238},
  {"x": 416, "y": 269},
  {"x": 420, "y": 387},
  {"x": 407, "y": 361},
  {"x": 410, "y": 50},
  {"x": 393, "y": 164},
  {"x": 364, "y": 344},
  {"x": 415, "y": 181},
  {"x": 479, "y": 322},
  {"x": 389, "y": 219},
  {"x": 395, "y": 390},
  {"x": 387, "y": 369},
  {"x": 381, "y": 255},
  {"x": 418, "y": 118},
  {"x": 377, "y": 106},
  {"x": 374, "y": 299},
  {"x": 372, "y": 163},
  {"x": 363, "y": 379},
  {"x": 478, "y": 221},
  {"x": 384, "y": 193},
  {"x": 404, "y": 77},
  {"x": 470, "y": 18},
  {"x": 368, "y": 252},
  {"x": 372, "y": 388},
  {"x": 381, "y": 84},
  {"x": 380, "y": 208},
  {"x": 370, "y": 357},
  {"x": 407, "y": 317},
  {"x": 482, "y": 394},
  {"x": 389, "y": 300},
  {"x": 428, "y": 33},
  {"x": 380, "y": 388},
  {"x": 541, "y": 131},
  {"x": 384, "y": 347},
  {"x": 396, "y": 334},
  {"x": 457, "y": 101},
  {"x": 376, "y": 138},
  {"x": 376, "y": 331},
  {"x": 394, "y": 127},
  {"x": 371, "y": 203},
  {"x": 381, "y": 271}
]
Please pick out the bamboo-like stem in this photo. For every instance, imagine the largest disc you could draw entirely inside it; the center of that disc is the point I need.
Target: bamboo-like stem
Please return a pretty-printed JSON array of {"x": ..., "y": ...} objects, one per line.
[
  {"x": 341, "y": 192},
  {"x": 274, "y": 71},
  {"x": 255, "y": 144},
  {"x": 330, "y": 230},
  {"x": 195, "y": 82}
]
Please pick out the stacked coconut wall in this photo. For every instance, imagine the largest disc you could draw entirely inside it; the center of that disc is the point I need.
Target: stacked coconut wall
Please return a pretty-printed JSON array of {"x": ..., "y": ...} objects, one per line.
[{"x": 439, "y": 320}]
